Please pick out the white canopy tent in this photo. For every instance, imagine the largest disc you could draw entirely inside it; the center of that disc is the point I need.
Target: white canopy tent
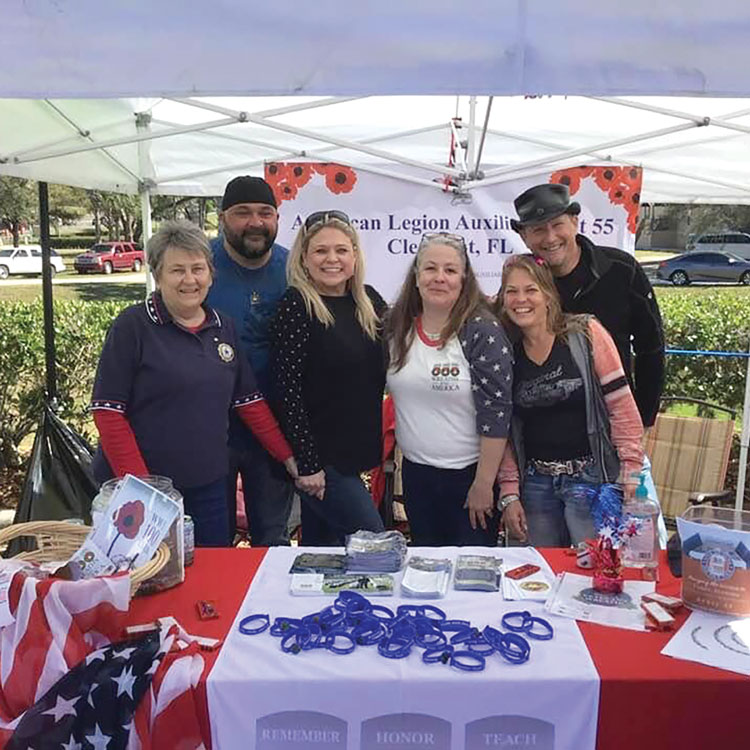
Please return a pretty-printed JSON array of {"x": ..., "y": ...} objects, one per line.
[
  {"x": 691, "y": 149},
  {"x": 64, "y": 64}
]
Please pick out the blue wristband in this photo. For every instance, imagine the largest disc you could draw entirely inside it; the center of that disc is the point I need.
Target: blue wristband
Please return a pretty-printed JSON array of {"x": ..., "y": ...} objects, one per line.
[
  {"x": 263, "y": 623},
  {"x": 437, "y": 655},
  {"x": 467, "y": 661},
  {"x": 330, "y": 642}
]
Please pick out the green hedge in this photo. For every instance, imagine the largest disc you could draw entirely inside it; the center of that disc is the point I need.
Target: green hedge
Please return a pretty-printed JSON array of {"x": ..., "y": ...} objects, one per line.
[
  {"x": 709, "y": 320},
  {"x": 714, "y": 319},
  {"x": 80, "y": 328},
  {"x": 72, "y": 242}
]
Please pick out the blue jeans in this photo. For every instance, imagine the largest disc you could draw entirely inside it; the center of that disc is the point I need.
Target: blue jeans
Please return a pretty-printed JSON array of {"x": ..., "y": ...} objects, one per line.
[
  {"x": 346, "y": 507},
  {"x": 207, "y": 506},
  {"x": 558, "y": 514},
  {"x": 268, "y": 492},
  {"x": 435, "y": 501}
]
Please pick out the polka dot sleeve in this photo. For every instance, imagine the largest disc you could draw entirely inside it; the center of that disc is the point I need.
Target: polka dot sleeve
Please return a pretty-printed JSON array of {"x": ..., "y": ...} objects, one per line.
[{"x": 290, "y": 339}]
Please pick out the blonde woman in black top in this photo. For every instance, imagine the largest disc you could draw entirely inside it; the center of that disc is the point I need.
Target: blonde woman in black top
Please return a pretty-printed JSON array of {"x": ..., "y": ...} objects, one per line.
[{"x": 328, "y": 368}]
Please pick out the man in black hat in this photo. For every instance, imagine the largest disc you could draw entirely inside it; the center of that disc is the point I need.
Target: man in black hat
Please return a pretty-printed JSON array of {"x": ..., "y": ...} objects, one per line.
[
  {"x": 604, "y": 281},
  {"x": 249, "y": 281}
]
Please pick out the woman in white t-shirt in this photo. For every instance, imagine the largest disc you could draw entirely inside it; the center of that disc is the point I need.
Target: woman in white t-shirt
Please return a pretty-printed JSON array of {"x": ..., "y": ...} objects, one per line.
[{"x": 450, "y": 376}]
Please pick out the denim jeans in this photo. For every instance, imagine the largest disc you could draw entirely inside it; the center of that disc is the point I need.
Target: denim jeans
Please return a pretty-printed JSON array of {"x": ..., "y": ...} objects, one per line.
[
  {"x": 435, "y": 501},
  {"x": 346, "y": 507},
  {"x": 558, "y": 514},
  {"x": 207, "y": 506},
  {"x": 268, "y": 491}
]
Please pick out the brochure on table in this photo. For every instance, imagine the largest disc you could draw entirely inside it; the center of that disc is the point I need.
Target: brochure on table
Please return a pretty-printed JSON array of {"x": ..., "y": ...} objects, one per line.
[
  {"x": 716, "y": 640},
  {"x": 259, "y": 695},
  {"x": 575, "y": 596}
]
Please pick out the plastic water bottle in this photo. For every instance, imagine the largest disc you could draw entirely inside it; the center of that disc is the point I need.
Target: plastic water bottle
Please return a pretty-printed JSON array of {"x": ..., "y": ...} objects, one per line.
[{"x": 642, "y": 550}]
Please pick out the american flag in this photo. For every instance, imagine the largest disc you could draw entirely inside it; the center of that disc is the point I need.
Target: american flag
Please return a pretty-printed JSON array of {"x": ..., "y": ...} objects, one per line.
[{"x": 64, "y": 685}]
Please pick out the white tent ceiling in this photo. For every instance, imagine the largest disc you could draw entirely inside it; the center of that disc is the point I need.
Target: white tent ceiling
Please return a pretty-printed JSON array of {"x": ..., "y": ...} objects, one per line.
[
  {"x": 90, "y": 48},
  {"x": 692, "y": 149}
]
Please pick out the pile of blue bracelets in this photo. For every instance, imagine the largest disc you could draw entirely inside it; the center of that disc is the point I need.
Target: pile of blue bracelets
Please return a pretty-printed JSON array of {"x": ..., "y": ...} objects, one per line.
[{"x": 352, "y": 620}]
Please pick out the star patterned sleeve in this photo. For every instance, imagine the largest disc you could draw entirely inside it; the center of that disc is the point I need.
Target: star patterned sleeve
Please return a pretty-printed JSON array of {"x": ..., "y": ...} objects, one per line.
[
  {"x": 290, "y": 338},
  {"x": 117, "y": 366},
  {"x": 490, "y": 356}
]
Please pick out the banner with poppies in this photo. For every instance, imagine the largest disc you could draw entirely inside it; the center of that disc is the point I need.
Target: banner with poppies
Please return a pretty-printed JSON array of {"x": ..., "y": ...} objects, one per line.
[{"x": 391, "y": 214}]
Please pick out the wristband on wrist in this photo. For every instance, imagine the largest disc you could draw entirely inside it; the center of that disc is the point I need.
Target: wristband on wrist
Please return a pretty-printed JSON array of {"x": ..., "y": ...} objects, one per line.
[{"x": 505, "y": 501}]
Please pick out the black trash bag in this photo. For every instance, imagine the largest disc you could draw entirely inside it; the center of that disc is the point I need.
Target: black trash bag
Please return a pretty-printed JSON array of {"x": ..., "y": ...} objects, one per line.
[{"x": 59, "y": 482}]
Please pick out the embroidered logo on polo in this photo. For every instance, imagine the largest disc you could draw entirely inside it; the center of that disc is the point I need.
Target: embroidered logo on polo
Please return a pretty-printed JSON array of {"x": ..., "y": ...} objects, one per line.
[
  {"x": 510, "y": 731},
  {"x": 445, "y": 376},
  {"x": 300, "y": 729},
  {"x": 225, "y": 352},
  {"x": 405, "y": 730}
]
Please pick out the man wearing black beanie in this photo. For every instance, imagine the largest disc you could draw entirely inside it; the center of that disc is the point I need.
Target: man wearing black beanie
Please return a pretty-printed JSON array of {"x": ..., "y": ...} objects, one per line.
[{"x": 250, "y": 280}]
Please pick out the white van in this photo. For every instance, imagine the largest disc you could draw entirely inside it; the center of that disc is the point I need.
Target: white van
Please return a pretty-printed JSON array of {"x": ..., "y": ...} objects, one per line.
[{"x": 737, "y": 243}]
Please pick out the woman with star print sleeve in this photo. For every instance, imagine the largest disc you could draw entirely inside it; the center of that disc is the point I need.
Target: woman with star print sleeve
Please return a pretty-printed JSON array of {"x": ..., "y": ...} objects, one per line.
[
  {"x": 328, "y": 368},
  {"x": 451, "y": 379}
]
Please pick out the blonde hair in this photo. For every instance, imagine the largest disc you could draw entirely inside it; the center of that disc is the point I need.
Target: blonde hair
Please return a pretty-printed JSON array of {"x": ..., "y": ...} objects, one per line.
[
  {"x": 401, "y": 319},
  {"x": 559, "y": 323},
  {"x": 298, "y": 277}
]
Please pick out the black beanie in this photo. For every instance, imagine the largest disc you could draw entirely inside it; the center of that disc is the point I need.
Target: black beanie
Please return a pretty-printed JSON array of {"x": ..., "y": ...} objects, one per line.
[{"x": 247, "y": 189}]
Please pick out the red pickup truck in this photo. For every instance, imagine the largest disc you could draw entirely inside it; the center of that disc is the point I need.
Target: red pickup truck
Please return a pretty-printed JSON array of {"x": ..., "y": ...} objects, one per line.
[{"x": 106, "y": 257}]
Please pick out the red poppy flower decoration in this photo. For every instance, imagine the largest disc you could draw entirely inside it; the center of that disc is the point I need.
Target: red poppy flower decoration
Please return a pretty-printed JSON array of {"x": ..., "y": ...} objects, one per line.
[
  {"x": 129, "y": 519},
  {"x": 340, "y": 179}
]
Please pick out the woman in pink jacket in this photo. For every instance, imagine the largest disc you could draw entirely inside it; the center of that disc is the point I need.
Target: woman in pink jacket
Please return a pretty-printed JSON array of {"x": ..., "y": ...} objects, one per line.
[{"x": 575, "y": 423}]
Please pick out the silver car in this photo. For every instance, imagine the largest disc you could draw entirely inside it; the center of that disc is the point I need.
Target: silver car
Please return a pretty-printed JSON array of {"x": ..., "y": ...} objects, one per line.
[{"x": 697, "y": 266}]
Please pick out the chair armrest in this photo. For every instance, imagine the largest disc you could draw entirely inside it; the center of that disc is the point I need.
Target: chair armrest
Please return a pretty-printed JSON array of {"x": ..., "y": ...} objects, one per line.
[{"x": 714, "y": 498}]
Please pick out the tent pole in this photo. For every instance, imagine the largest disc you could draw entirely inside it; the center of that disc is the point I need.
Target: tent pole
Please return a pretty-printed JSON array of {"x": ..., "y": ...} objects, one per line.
[
  {"x": 143, "y": 126},
  {"x": 49, "y": 314},
  {"x": 744, "y": 440},
  {"x": 471, "y": 140},
  {"x": 475, "y": 171}
]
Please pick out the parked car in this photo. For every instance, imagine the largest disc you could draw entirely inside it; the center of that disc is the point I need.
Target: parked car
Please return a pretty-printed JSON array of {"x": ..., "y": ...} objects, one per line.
[
  {"x": 735, "y": 243},
  {"x": 688, "y": 267},
  {"x": 106, "y": 257},
  {"x": 26, "y": 260}
]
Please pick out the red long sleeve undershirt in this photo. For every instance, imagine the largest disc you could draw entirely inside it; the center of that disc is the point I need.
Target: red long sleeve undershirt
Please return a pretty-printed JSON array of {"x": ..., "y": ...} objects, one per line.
[{"x": 124, "y": 456}]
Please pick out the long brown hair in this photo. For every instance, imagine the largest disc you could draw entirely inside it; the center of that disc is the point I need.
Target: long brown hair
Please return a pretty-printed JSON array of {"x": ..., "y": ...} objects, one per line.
[
  {"x": 400, "y": 322},
  {"x": 559, "y": 324}
]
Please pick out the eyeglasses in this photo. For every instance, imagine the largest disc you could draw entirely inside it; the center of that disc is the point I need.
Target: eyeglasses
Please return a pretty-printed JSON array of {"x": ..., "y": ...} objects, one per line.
[
  {"x": 428, "y": 237},
  {"x": 319, "y": 217}
]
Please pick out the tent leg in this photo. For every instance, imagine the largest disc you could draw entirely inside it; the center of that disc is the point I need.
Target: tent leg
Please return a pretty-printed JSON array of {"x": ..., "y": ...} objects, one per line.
[
  {"x": 49, "y": 314},
  {"x": 744, "y": 440},
  {"x": 147, "y": 232}
]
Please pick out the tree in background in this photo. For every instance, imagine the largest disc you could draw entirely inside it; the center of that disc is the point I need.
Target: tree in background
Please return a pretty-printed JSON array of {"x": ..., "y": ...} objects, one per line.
[
  {"x": 119, "y": 214},
  {"x": 172, "y": 207},
  {"x": 67, "y": 205},
  {"x": 18, "y": 205},
  {"x": 719, "y": 218}
]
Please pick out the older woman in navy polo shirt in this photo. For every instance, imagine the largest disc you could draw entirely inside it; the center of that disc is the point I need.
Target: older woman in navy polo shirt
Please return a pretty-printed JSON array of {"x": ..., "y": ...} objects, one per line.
[{"x": 169, "y": 373}]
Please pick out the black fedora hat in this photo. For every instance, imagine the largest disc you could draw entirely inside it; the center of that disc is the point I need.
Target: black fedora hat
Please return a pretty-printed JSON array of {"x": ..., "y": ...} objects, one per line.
[{"x": 542, "y": 203}]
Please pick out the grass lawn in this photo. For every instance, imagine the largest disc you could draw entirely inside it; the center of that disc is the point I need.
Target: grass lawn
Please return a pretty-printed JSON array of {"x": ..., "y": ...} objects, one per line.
[{"x": 119, "y": 291}]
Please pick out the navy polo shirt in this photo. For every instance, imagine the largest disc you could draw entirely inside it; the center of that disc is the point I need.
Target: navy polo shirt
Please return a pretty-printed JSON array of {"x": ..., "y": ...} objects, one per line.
[{"x": 175, "y": 388}]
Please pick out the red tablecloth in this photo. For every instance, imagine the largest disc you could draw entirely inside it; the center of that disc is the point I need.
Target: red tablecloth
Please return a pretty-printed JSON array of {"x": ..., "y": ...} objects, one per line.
[{"x": 647, "y": 700}]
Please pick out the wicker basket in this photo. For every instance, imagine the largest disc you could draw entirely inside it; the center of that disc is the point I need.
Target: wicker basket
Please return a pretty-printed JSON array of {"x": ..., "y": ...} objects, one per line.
[{"x": 58, "y": 540}]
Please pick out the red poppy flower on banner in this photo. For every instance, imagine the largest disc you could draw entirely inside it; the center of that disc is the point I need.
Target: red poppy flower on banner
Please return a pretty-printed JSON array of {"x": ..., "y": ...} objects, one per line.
[
  {"x": 606, "y": 177},
  {"x": 300, "y": 174},
  {"x": 571, "y": 177},
  {"x": 286, "y": 190},
  {"x": 340, "y": 179},
  {"x": 276, "y": 171},
  {"x": 129, "y": 519}
]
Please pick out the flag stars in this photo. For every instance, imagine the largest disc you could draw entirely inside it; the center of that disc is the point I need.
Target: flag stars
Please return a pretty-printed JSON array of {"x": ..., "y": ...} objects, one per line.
[
  {"x": 63, "y": 707},
  {"x": 490, "y": 339},
  {"x": 71, "y": 744},
  {"x": 125, "y": 682},
  {"x": 484, "y": 381},
  {"x": 98, "y": 740},
  {"x": 496, "y": 367},
  {"x": 485, "y": 428}
]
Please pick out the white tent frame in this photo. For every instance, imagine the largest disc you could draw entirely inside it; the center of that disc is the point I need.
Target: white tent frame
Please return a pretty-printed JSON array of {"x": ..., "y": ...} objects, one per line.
[{"x": 466, "y": 178}]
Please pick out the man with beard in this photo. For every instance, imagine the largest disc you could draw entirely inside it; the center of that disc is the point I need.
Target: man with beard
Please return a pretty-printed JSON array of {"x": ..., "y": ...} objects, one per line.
[{"x": 250, "y": 280}]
